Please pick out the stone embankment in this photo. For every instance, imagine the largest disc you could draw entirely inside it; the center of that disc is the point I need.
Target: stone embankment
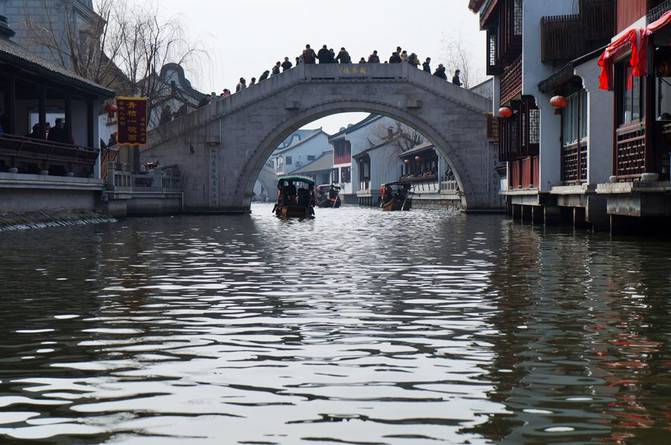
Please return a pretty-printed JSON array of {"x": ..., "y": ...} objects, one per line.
[{"x": 46, "y": 219}]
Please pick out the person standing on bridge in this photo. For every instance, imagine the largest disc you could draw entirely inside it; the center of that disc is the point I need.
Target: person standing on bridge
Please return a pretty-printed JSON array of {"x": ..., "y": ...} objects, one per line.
[
  {"x": 440, "y": 72},
  {"x": 309, "y": 56},
  {"x": 276, "y": 69},
  {"x": 286, "y": 65},
  {"x": 456, "y": 79},
  {"x": 374, "y": 58},
  {"x": 264, "y": 76},
  {"x": 324, "y": 55},
  {"x": 426, "y": 66},
  {"x": 395, "y": 58},
  {"x": 252, "y": 82},
  {"x": 343, "y": 56},
  {"x": 241, "y": 86},
  {"x": 332, "y": 59},
  {"x": 404, "y": 56},
  {"x": 413, "y": 60},
  {"x": 362, "y": 60}
]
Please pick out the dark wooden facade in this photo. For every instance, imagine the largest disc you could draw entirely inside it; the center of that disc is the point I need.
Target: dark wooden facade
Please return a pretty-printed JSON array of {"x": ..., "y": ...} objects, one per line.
[
  {"x": 342, "y": 151},
  {"x": 629, "y": 11},
  {"x": 642, "y": 139},
  {"x": 566, "y": 37},
  {"x": 33, "y": 89},
  {"x": 502, "y": 20}
]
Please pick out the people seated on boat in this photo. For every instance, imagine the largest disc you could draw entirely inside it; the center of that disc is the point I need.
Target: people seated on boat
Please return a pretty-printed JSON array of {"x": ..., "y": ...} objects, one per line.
[
  {"x": 303, "y": 197},
  {"x": 312, "y": 199},
  {"x": 291, "y": 193},
  {"x": 388, "y": 194},
  {"x": 281, "y": 194}
]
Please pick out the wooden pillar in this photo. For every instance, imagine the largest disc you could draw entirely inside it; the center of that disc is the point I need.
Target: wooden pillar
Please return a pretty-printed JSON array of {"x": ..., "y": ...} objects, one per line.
[
  {"x": 11, "y": 105},
  {"x": 42, "y": 109},
  {"x": 68, "y": 119},
  {"x": 537, "y": 215},
  {"x": 90, "y": 122},
  {"x": 649, "y": 110}
]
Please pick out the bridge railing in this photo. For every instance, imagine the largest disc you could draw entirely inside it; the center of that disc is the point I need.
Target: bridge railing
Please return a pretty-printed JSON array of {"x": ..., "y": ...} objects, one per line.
[
  {"x": 353, "y": 71},
  {"x": 336, "y": 73}
]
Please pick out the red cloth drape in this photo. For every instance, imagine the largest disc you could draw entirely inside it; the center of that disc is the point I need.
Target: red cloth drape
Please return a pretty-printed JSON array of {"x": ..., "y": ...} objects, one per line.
[
  {"x": 630, "y": 38},
  {"x": 639, "y": 41}
]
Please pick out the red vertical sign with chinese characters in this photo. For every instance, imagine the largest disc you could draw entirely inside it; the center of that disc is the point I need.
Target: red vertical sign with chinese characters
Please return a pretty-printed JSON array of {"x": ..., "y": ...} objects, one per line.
[{"x": 131, "y": 120}]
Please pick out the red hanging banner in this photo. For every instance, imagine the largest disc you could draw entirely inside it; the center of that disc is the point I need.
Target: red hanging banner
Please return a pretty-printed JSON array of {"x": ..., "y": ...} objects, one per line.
[
  {"x": 631, "y": 38},
  {"x": 131, "y": 120}
]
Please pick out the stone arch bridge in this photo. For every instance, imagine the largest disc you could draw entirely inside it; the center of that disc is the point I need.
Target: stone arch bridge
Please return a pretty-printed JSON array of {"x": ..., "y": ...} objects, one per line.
[{"x": 222, "y": 147}]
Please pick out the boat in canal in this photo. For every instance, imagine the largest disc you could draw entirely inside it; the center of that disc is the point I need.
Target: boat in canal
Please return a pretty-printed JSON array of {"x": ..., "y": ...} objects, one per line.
[
  {"x": 295, "y": 197},
  {"x": 328, "y": 196},
  {"x": 395, "y": 197}
]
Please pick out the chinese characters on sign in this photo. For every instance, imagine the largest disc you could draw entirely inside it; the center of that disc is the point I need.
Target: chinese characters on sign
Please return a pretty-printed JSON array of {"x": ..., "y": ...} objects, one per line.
[
  {"x": 353, "y": 70},
  {"x": 132, "y": 120}
]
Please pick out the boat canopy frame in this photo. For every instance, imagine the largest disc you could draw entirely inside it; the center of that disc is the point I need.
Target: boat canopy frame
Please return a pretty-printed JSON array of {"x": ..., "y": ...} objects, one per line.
[{"x": 303, "y": 179}]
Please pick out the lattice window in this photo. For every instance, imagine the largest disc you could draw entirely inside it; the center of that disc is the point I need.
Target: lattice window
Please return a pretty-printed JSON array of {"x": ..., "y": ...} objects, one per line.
[
  {"x": 517, "y": 17},
  {"x": 534, "y": 126},
  {"x": 491, "y": 39}
]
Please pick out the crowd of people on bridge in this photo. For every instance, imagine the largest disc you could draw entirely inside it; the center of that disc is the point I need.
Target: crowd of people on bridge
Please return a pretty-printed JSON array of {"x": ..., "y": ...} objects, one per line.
[{"x": 328, "y": 55}]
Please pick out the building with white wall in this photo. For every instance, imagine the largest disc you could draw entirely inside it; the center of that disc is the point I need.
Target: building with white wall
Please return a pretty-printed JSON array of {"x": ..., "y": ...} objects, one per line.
[
  {"x": 299, "y": 150},
  {"x": 546, "y": 149},
  {"x": 349, "y": 142}
]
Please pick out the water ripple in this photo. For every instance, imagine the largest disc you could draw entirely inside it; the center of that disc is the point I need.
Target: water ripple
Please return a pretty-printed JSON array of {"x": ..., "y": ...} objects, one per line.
[{"x": 359, "y": 327}]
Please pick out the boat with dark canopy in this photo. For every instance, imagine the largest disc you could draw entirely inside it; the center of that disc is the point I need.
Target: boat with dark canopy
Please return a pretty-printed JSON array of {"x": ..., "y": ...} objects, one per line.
[
  {"x": 328, "y": 196},
  {"x": 395, "y": 197},
  {"x": 295, "y": 197}
]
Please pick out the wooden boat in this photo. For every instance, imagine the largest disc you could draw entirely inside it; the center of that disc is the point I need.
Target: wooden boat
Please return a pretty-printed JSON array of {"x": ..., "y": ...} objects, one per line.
[
  {"x": 395, "y": 197},
  {"x": 328, "y": 196},
  {"x": 295, "y": 197}
]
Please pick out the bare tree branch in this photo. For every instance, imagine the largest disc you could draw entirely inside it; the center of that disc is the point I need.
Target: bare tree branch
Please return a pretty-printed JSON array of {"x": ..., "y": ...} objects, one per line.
[{"x": 122, "y": 47}]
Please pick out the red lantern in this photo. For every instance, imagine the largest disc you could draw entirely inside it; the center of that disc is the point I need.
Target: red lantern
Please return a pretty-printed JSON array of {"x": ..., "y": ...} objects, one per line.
[
  {"x": 407, "y": 161},
  {"x": 505, "y": 112},
  {"x": 559, "y": 102},
  {"x": 417, "y": 158}
]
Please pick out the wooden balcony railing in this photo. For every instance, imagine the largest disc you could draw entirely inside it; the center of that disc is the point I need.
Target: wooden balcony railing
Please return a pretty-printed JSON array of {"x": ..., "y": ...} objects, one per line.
[
  {"x": 420, "y": 177},
  {"x": 658, "y": 11},
  {"x": 566, "y": 37},
  {"x": 511, "y": 82},
  {"x": 560, "y": 38},
  {"x": 630, "y": 151},
  {"x": 574, "y": 163},
  {"x": 34, "y": 156}
]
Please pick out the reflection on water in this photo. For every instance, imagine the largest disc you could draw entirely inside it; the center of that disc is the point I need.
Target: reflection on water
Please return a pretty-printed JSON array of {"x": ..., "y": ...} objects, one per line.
[{"x": 358, "y": 327}]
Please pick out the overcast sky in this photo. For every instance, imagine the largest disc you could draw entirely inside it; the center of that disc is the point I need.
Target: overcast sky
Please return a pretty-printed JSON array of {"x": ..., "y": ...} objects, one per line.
[{"x": 245, "y": 37}]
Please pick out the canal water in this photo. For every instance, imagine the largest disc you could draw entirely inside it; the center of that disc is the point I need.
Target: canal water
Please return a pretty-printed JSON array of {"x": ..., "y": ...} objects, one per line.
[{"x": 359, "y": 327}]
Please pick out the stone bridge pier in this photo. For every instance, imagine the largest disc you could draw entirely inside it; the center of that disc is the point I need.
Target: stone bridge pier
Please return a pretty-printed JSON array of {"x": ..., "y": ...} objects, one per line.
[{"x": 222, "y": 147}]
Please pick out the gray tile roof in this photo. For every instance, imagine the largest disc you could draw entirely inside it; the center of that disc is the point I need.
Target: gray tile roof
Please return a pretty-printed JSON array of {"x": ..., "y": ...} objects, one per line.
[
  {"x": 322, "y": 163},
  {"x": 14, "y": 54}
]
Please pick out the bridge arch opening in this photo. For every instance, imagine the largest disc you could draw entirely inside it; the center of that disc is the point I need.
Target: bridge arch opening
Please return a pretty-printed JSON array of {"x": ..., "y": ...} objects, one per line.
[{"x": 411, "y": 120}]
